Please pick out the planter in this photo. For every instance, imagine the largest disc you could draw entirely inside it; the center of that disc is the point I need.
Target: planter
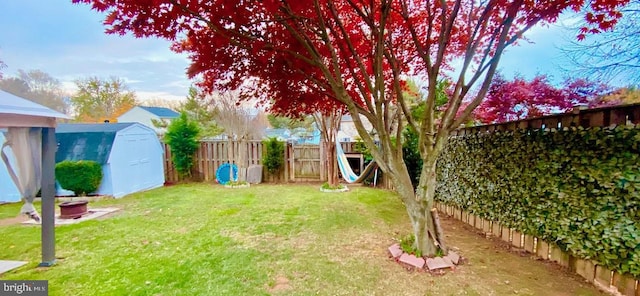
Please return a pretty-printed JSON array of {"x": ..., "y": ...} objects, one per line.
[{"x": 73, "y": 209}]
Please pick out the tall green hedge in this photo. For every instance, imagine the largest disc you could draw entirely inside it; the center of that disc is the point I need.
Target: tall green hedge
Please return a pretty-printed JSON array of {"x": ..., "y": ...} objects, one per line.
[
  {"x": 273, "y": 159},
  {"x": 577, "y": 188},
  {"x": 182, "y": 137}
]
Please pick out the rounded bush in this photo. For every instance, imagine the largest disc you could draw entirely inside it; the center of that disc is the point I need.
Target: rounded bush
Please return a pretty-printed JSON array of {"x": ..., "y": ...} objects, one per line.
[{"x": 81, "y": 177}]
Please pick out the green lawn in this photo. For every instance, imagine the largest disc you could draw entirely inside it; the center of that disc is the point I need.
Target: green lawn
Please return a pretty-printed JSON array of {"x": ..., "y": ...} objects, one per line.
[
  {"x": 10, "y": 210},
  {"x": 200, "y": 239}
]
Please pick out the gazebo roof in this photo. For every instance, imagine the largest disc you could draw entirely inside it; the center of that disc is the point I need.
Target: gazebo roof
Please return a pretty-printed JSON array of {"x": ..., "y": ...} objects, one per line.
[{"x": 16, "y": 111}]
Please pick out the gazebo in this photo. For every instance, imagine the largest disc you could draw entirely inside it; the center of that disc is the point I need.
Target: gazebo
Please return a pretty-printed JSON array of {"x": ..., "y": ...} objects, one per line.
[{"x": 30, "y": 137}]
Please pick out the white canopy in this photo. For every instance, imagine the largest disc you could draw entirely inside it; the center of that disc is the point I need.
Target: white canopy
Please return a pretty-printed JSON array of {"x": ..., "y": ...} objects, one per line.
[
  {"x": 18, "y": 112},
  {"x": 30, "y": 134}
]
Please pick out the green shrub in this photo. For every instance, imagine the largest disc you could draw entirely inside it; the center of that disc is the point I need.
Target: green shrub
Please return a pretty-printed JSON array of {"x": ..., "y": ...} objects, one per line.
[
  {"x": 273, "y": 159},
  {"x": 81, "y": 177},
  {"x": 577, "y": 188},
  {"x": 182, "y": 137},
  {"x": 406, "y": 244},
  {"x": 359, "y": 146}
]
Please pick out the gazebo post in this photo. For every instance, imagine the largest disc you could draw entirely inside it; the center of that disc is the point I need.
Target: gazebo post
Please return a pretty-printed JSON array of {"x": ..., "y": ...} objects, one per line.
[{"x": 49, "y": 147}]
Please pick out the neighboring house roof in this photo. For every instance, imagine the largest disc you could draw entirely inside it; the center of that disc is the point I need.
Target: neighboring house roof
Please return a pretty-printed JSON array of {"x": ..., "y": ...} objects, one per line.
[
  {"x": 161, "y": 112},
  {"x": 298, "y": 135},
  {"x": 87, "y": 141},
  {"x": 281, "y": 133},
  {"x": 348, "y": 131}
]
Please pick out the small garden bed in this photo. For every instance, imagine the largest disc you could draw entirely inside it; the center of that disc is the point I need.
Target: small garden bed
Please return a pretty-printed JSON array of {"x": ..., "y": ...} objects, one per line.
[
  {"x": 328, "y": 188},
  {"x": 237, "y": 184}
]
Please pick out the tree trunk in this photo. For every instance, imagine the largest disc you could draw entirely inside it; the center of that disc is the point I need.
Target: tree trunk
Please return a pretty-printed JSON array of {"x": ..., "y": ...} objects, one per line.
[
  {"x": 430, "y": 239},
  {"x": 332, "y": 163},
  {"x": 419, "y": 204}
]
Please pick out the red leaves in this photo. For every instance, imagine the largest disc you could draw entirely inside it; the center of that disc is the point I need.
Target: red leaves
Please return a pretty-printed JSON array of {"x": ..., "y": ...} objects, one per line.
[
  {"x": 601, "y": 15},
  {"x": 520, "y": 99},
  {"x": 303, "y": 55}
]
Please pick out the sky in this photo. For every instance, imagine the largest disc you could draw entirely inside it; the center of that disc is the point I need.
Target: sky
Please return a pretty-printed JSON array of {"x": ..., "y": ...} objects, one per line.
[{"x": 68, "y": 42}]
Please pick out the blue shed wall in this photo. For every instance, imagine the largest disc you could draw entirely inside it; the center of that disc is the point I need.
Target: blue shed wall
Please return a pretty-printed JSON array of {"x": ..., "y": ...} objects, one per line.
[{"x": 135, "y": 163}]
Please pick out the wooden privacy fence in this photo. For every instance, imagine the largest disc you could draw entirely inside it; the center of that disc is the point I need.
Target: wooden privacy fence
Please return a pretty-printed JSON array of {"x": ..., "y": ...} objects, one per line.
[
  {"x": 608, "y": 280},
  {"x": 307, "y": 162},
  {"x": 212, "y": 154},
  {"x": 303, "y": 163},
  {"x": 597, "y": 117}
]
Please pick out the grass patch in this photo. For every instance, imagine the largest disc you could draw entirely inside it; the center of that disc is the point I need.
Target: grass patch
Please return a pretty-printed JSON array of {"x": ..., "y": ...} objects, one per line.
[
  {"x": 11, "y": 210},
  {"x": 198, "y": 239}
]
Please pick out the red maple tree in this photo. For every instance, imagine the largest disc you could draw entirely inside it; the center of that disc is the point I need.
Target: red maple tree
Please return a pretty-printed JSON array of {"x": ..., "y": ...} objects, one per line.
[
  {"x": 519, "y": 99},
  {"x": 309, "y": 55}
]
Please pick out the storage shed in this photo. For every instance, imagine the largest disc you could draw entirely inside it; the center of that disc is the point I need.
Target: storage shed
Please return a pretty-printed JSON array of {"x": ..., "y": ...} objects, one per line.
[{"x": 131, "y": 155}]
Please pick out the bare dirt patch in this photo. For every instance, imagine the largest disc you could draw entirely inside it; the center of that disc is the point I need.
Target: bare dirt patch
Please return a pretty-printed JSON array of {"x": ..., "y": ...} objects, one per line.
[
  {"x": 281, "y": 284},
  {"x": 15, "y": 220}
]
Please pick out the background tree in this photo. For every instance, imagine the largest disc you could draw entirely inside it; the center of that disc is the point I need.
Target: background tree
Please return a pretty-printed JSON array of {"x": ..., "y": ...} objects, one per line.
[
  {"x": 329, "y": 123},
  {"x": 519, "y": 99},
  {"x": 182, "y": 138},
  {"x": 620, "y": 96},
  {"x": 306, "y": 56},
  {"x": 609, "y": 54},
  {"x": 277, "y": 121},
  {"x": 238, "y": 124},
  {"x": 98, "y": 100},
  {"x": 201, "y": 110},
  {"x": 39, "y": 87}
]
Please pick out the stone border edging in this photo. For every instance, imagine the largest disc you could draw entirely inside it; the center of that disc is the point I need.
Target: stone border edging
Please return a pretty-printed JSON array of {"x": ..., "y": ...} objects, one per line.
[{"x": 436, "y": 264}]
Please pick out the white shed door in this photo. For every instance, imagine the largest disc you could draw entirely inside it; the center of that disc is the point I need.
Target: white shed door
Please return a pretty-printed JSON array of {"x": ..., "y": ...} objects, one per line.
[{"x": 139, "y": 171}]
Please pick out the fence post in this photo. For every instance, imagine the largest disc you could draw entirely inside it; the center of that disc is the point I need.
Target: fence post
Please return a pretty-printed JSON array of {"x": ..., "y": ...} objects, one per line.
[
  {"x": 286, "y": 162},
  {"x": 323, "y": 170}
]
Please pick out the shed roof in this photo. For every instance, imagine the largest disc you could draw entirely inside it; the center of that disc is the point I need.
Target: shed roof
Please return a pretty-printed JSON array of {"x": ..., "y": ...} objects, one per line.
[
  {"x": 87, "y": 141},
  {"x": 92, "y": 127},
  {"x": 161, "y": 112}
]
